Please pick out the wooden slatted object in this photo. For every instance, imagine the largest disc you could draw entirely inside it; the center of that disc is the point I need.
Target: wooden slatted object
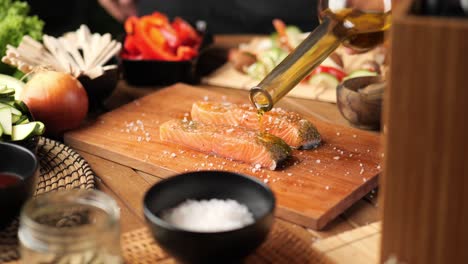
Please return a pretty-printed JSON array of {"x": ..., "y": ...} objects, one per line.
[{"x": 426, "y": 161}]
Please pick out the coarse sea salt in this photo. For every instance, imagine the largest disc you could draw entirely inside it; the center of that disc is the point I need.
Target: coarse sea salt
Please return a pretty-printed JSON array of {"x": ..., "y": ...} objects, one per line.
[{"x": 214, "y": 215}]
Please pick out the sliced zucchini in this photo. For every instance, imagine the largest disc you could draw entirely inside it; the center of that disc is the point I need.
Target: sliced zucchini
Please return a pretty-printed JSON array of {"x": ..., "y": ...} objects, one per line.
[
  {"x": 14, "y": 114},
  {"x": 13, "y": 83},
  {"x": 13, "y": 110},
  {"x": 7, "y": 99},
  {"x": 325, "y": 80},
  {"x": 272, "y": 57},
  {"x": 20, "y": 105},
  {"x": 23, "y": 120},
  {"x": 20, "y": 132},
  {"x": 7, "y": 92},
  {"x": 294, "y": 35},
  {"x": 5, "y": 120},
  {"x": 274, "y": 39},
  {"x": 40, "y": 128},
  {"x": 257, "y": 70},
  {"x": 360, "y": 73},
  {"x": 15, "y": 118}
]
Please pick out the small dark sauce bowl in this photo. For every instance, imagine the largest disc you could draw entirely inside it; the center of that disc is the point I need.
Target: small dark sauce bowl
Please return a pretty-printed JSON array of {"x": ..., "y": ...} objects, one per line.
[
  {"x": 19, "y": 161},
  {"x": 360, "y": 101},
  {"x": 217, "y": 247}
]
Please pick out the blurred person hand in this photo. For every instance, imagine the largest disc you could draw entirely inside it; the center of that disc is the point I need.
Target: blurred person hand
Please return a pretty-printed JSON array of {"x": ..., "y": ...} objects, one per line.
[{"x": 119, "y": 9}]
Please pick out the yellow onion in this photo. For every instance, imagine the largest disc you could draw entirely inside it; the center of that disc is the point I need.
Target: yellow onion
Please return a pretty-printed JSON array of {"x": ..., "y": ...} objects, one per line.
[{"x": 57, "y": 99}]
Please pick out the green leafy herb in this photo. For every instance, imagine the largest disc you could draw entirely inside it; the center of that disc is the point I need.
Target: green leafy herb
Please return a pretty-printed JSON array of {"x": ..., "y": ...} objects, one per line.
[{"x": 14, "y": 24}]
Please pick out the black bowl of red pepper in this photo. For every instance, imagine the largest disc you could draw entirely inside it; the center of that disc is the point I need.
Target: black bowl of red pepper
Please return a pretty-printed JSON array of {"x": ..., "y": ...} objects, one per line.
[{"x": 160, "y": 52}]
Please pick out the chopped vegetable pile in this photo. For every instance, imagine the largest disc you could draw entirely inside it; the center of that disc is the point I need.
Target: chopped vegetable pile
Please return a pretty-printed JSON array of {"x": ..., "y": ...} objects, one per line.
[
  {"x": 14, "y": 24},
  {"x": 155, "y": 37},
  {"x": 15, "y": 118},
  {"x": 261, "y": 56}
]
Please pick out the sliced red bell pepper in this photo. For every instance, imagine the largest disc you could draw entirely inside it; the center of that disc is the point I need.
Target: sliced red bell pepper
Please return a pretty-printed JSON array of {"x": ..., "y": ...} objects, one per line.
[
  {"x": 130, "y": 24},
  {"x": 152, "y": 37},
  {"x": 160, "y": 18},
  {"x": 339, "y": 74},
  {"x": 188, "y": 35},
  {"x": 151, "y": 50},
  {"x": 172, "y": 38},
  {"x": 156, "y": 37},
  {"x": 146, "y": 45},
  {"x": 130, "y": 46},
  {"x": 186, "y": 53}
]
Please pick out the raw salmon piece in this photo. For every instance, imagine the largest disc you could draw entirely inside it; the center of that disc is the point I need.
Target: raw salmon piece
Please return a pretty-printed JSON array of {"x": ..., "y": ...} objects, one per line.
[
  {"x": 295, "y": 130},
  {"x": 237, "y": 143}
]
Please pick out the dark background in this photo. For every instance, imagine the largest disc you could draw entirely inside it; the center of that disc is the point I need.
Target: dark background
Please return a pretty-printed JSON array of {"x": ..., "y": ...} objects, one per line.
[
  {"x": 222, "y": 16},
  {"x": 61, "y": 16}
]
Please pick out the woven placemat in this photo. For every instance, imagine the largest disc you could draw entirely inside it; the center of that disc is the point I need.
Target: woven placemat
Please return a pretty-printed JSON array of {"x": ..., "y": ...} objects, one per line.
[
  {"x": 61, "y": 168},
  {"x": 285, "y": 244}
]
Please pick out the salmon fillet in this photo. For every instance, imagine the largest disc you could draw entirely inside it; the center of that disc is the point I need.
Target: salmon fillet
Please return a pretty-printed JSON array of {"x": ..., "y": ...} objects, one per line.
[
  {"x": 295, "y": 130},
  {"x": 237, "y": 143}
]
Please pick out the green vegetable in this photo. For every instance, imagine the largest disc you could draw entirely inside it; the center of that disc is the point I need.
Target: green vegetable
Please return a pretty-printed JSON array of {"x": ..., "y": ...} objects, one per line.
[
  {"x": 14, "y": 24},
  {"x": 257, "y": 70},
  {"x": 294, "y": 35},
  {"x": 360, "y": 73},
  {"x": 14, "y": 118},
  {"x": 324, "y": 80},
  {"x": 13, "y": 83},
  {"x": 267, "y": 61},
  {"x": 272, "y": 57}
]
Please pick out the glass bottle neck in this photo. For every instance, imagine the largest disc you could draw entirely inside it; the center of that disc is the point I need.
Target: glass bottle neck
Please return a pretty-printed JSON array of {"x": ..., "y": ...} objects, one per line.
[{"x": 295, "y": 67}]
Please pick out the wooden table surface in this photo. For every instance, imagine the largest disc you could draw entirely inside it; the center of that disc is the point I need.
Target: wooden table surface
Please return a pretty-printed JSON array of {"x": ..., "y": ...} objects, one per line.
[{"x": 127, "y": 185}]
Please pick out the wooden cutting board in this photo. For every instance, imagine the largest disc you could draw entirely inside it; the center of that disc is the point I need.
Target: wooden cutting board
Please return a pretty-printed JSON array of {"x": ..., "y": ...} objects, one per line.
[{"x": 313, "y": 189}]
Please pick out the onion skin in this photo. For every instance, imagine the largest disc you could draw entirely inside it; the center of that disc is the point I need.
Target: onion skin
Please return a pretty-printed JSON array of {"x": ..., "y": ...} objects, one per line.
[{"x": 57, "y": 99}]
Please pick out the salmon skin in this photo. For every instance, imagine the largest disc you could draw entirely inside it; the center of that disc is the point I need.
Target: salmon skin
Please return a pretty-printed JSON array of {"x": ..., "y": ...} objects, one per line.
[
  {"x": 295, "y": 130},
  {"x": 236, "y": 143}
]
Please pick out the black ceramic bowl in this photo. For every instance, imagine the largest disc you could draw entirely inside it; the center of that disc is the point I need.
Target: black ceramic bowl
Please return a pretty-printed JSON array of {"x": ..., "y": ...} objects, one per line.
[
  {"x": 158, "y": 72},
  {"x": 217, "y": 247},
  {"x": 23, "y": 163},
  {"x": 100, "y": 88}
]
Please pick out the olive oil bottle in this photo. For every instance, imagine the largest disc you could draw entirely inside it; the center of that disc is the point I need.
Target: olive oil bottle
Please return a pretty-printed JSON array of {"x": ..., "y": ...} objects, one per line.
[{"x": 350, "y": 26}]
